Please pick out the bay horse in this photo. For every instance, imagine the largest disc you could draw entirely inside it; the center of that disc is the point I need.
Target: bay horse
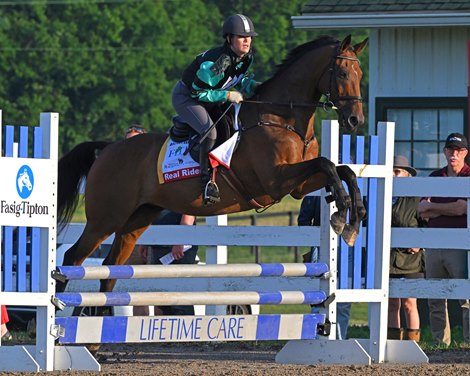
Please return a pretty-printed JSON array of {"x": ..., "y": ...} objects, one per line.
[{"x": 277, "y": 155}]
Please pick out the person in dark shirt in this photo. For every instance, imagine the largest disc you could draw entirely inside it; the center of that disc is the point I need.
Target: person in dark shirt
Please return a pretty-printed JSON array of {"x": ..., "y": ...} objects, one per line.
[
  {"x": 447, "y": 212},
  {"x": 151, "y": 254}
]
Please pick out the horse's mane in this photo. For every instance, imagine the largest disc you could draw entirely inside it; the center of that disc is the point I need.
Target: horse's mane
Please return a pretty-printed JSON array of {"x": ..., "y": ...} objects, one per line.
[{"x": 299, "y": 51}]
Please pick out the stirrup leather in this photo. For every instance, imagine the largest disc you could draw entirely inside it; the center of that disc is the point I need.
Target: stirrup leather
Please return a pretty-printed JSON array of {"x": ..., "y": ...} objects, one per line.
[{"x": 211, "y": 193}]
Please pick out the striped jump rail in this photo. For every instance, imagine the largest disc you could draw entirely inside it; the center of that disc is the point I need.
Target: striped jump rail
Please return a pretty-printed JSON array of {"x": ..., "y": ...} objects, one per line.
[
  {"x": 176, "y": 271},
  {"x": 109, "y": 299},
  {"x": 140, "y": 329}
]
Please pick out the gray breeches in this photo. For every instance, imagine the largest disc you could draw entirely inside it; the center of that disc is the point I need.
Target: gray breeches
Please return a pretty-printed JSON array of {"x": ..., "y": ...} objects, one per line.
[{"x": 192, "y": 111}]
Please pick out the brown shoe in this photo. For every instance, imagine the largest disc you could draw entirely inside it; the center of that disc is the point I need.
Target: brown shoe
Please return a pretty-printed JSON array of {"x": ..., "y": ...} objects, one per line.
[
  {"x": 413, "y": 335},
  {"x": 7, "y": 336},
  {"x": 395, "y": 333}
]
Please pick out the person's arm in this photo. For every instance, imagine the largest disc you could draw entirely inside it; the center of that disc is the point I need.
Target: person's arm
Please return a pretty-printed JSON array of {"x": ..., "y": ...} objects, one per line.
[
  {"x": 178, "y": 250},
  {"x": 208, "y": 76},
  {"x": 142, "y": 250},
  {"x": 428, "y": 209},
  {"x": 248, "y": 86}
]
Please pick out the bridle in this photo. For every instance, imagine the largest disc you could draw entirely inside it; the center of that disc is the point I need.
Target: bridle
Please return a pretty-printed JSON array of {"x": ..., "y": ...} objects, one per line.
[
  {"x": 330, "y": 102},
  {"x": 333, "y": 69}
]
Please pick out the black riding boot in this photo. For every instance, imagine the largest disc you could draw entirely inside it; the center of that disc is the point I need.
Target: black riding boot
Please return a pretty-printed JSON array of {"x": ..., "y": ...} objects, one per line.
[{"x": 210, "y": 191}]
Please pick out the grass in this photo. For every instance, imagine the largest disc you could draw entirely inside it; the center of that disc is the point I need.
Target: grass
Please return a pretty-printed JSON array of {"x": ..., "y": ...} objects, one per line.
[{"x": 274, "y": 216}]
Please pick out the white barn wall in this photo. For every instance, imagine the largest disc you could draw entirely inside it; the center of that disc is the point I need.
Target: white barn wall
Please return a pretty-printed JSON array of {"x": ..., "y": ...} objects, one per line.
[{"x": 417, "y": 62}]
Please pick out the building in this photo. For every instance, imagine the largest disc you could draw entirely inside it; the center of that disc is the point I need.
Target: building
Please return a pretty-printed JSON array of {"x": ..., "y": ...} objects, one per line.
[{"x": 418, "y": 67}]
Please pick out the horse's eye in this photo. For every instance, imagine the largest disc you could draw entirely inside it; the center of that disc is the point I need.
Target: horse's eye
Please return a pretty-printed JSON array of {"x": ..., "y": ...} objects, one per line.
[{"x": 342, "y": 75}]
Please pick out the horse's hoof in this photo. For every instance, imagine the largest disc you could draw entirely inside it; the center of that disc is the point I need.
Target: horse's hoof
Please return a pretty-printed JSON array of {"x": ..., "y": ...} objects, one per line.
[
  {"x": 93, "y": 348},
  {"x": 349, "y": 235},
  {"x": 337, "y": 223}
]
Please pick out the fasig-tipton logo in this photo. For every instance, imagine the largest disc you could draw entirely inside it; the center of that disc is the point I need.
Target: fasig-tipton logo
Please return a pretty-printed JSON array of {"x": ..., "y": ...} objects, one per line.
[
  {"x": 24, "y": 187},
  {"x": 24, "y": 181}
]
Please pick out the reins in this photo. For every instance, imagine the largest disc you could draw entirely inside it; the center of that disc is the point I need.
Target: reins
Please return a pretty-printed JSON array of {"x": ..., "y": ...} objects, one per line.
[
  {"x": 329, "y": 104},
  {"x": 325, "y": 105}
]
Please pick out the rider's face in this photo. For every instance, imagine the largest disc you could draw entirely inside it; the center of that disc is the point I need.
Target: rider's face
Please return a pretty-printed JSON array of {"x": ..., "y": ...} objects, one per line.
[{"x": 240, "y": 45}]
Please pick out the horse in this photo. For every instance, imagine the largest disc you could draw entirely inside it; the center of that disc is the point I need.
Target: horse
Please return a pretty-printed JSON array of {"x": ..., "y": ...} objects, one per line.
[{"x": 277, "y": 155}]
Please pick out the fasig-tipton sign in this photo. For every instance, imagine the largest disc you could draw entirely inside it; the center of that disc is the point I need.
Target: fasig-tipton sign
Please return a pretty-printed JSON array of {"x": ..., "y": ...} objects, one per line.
[{"x": 26, "y": 192}]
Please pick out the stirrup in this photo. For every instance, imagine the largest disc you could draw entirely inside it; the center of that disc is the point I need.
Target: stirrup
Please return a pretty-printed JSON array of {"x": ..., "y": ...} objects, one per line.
[{"x": 211, "y": 193}]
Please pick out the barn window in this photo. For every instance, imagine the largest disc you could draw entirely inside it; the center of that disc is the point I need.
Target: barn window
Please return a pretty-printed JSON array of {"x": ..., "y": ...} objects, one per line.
[{"x": 421, "y": 127}]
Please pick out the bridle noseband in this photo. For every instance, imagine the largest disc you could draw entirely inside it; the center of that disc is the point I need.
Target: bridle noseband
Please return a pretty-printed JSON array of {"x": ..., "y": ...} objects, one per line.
[{"x": 333, "y": 69}]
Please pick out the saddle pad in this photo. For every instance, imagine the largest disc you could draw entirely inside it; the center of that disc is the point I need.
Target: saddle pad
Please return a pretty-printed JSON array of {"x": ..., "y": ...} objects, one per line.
[{"x": 173, "y": 164}]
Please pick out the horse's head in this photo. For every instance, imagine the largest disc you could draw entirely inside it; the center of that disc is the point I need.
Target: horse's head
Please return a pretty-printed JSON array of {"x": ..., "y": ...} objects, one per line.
[
  {"x": 323, "y": 66},
  {"x": 342, "y": 84},
  {"x": 24, "y": 181}
]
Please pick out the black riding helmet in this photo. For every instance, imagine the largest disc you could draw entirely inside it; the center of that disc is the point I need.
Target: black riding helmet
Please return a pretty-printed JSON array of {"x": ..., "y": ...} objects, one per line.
[{"x": 239, "y": 24}]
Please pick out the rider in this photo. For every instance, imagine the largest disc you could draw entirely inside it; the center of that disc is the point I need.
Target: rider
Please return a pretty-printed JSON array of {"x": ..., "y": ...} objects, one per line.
[{"x": 206, "y": 83}]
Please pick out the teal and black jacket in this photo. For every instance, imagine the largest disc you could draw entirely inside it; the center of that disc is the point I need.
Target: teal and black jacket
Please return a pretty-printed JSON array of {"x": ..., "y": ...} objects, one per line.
[{"x": 214, "y": 72}]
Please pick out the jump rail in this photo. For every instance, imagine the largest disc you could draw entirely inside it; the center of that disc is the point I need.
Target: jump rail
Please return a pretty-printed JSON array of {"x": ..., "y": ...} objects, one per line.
[{"x": 178, "y": 271}]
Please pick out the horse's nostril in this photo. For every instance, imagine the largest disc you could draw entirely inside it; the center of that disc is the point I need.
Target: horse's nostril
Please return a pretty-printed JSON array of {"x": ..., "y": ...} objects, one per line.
[{"x": 353, "y": 121}]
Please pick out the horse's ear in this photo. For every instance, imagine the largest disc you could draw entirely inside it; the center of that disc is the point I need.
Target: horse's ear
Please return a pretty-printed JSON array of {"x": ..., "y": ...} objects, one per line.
[
  {"x": 360, "y": 46},
  {"x": 345, "y": 43}
]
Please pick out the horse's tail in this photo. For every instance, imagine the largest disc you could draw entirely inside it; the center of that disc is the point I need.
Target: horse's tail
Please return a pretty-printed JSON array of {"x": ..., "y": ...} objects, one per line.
[{"x": 73, "y": 168}]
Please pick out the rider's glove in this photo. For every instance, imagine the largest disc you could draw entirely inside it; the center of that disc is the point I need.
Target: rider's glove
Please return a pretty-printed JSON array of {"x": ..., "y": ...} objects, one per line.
[{"x": 234, "y": 96}]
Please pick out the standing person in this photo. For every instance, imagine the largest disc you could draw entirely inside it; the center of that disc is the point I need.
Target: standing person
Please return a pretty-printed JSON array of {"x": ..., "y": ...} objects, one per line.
[
  {"x": 4, "y": 333},
  {"x": 152, "y": 254},
  {"x": 405, "y": 263},
  {"x": 309, "y": 215},
  {"x": 447, "y": 212},
  {"x": 207, "y": 82}
]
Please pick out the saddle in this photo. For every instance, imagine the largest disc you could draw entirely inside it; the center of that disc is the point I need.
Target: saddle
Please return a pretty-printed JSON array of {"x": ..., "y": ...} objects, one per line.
[{"x": 181, "y": 131}]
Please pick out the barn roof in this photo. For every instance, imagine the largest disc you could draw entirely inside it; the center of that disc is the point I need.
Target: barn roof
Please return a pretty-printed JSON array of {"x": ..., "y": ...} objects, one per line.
[{"x": 348, "y": 14}]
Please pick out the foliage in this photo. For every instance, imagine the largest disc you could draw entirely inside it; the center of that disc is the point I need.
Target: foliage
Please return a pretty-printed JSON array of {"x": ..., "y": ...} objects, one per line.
[{"x": 105, "y": 64}]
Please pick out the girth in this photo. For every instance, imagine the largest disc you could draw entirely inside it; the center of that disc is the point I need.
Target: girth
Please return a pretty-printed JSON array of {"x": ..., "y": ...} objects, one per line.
[{"x": 237, "y": 186}]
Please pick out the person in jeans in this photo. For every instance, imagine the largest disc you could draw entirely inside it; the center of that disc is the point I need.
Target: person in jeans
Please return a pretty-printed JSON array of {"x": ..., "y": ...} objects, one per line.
[{"x": 447, "y": 212}]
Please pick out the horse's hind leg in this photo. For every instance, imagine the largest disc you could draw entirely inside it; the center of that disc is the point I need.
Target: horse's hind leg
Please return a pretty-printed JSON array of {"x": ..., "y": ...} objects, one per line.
[
  {"x": 357, "y": 211},
  {"x": 84, "y": 247}
]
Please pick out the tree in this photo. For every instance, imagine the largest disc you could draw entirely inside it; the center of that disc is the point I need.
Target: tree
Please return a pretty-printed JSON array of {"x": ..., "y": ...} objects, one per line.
[{"x": 104, "y": 64}]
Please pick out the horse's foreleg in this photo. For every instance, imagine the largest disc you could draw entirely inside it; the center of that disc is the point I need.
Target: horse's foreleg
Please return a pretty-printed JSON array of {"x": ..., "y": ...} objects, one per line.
[
  {"x": 125, "y": 239},
  {"x": 338, "y": 195},
  {"x": 121, "y": 249},
  {"x": 332, "y": 183},
  {"x": 357, "y": 211}
]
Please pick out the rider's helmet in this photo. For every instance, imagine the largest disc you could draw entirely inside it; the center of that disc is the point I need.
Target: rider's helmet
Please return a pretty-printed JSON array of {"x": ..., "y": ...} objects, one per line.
[{"x": 239, "y": 24}]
